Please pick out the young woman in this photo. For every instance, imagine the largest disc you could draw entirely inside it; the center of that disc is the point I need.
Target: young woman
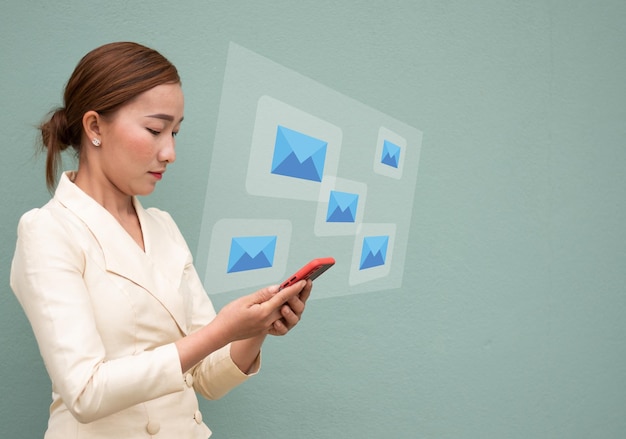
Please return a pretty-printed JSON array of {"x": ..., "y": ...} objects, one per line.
[{"x": 126, "y": 331}]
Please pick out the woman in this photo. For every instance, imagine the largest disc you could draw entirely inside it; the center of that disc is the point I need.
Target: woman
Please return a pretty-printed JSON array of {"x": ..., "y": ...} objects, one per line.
[{"x": 124, "y": 326}]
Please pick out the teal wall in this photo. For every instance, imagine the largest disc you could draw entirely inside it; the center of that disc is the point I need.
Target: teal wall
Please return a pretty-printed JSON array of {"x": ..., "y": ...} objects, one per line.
[{"x": 509, "y": 321}]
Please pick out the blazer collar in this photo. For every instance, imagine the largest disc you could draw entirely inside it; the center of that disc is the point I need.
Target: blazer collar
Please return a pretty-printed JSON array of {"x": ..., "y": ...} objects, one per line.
[{"x": 158, "y": 270}]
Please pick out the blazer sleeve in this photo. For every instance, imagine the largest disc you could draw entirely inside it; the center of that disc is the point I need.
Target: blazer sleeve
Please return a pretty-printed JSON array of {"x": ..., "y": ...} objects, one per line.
[
  {"x": 216, "y": 374},
  {"x": 46, "y": 276}
]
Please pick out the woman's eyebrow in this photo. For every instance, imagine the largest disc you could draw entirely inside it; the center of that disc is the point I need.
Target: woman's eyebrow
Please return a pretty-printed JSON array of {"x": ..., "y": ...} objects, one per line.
[{"x": 166, "y": 117}]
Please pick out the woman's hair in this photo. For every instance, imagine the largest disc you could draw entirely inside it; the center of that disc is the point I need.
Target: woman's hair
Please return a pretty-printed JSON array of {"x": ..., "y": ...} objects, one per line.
[{"x": 104, "y": 80}]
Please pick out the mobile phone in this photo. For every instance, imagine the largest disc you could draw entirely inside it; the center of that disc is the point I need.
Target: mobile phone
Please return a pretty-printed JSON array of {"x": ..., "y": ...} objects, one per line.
[{"x": 312, "y": 271}]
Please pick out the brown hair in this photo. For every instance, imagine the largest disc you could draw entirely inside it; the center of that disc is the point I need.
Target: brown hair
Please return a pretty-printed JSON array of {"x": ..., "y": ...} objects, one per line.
[{"x": 104, "y": 80}]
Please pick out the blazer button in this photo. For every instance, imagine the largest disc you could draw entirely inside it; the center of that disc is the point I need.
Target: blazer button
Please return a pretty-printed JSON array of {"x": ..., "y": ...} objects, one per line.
[
  {"x": 189, "y": 380},
  {"x": 153, "y": 427},
  {"x": 197, "y": 416}
]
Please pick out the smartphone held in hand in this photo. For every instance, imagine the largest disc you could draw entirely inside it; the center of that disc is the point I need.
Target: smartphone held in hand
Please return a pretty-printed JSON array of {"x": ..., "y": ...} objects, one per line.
[{"x": 312, "y": 271}]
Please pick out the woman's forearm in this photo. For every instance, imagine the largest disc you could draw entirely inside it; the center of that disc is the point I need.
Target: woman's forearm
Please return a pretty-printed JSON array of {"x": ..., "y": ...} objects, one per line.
[{"x": 245, "y": 352}]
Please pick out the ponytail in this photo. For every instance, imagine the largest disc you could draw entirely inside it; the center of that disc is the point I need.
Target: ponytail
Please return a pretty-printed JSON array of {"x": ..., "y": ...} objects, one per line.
[{"x": 55, "y": 139}]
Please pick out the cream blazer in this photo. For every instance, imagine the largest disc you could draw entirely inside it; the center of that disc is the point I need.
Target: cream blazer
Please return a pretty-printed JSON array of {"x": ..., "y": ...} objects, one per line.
[{"x": 106, "y": 315}]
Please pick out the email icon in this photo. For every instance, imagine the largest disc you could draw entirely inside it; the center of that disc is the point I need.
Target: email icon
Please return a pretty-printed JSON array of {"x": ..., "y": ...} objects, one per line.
[
  {"x": 251, "y": 253},
  {"x": 374, "y": 251},
  {"x": 391, "y": 154},
  {"x": 342, "y": 207},
  {"x": 298, "y": 155}
]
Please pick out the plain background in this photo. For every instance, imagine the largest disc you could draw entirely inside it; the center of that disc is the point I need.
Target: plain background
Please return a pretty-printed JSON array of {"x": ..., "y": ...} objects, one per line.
[{"x": 510, "y": 320}]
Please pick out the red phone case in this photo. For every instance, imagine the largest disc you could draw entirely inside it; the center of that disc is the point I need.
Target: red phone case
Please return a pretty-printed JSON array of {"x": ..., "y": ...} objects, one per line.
[{"x": 312, "y": 270}]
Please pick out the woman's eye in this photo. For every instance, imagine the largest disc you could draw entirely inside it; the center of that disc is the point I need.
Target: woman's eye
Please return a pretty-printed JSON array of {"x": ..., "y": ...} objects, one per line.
[
  {"x": 174, "y": 133},
  {"x": 153, "y": 132}
]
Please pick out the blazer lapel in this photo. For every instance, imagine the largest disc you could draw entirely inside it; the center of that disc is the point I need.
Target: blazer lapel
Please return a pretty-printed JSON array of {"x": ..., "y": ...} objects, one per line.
[
  {"x": 159, "y": 270},
  {"x": 167, "y": 259}
]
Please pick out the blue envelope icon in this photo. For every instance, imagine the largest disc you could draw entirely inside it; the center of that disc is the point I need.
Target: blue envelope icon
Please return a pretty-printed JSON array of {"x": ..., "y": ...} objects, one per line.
[
  {"x": 342, "y": 207},
  {"x": 298, "y": 155},
  {"x": 374, "y": 251},
  {"x": 251, "y": 253},
  {"x": 391, "y": 154}
]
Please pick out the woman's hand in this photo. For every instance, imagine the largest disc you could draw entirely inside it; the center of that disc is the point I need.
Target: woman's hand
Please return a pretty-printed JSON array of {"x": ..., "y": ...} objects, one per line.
[
  {"x": 291, "y": 311},
  {"x": 267, "y": 311},
  {"x": 245, "y": 352},
  {"x": 246, "y": 322}
]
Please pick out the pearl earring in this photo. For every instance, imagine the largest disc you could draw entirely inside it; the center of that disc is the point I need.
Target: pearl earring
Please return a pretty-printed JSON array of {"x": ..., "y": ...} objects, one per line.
[{"x": 96, "y": 142}]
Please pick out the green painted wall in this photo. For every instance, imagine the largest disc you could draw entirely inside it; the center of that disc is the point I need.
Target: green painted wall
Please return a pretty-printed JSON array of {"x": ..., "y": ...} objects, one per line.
[{"x": 509, "y": 322}]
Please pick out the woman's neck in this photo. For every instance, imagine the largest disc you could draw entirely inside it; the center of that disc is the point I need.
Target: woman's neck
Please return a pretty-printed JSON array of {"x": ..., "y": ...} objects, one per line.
[{"x": 117, "y": 203}]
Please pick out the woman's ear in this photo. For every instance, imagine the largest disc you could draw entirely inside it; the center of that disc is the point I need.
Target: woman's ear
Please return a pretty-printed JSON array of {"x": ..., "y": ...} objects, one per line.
[{"x": 91, "y": 126}]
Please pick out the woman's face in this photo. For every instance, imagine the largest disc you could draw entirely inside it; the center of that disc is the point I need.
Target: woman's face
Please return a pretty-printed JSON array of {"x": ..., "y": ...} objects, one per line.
[{"x": 138, "y": 140}]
